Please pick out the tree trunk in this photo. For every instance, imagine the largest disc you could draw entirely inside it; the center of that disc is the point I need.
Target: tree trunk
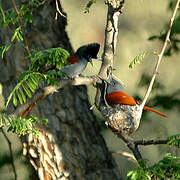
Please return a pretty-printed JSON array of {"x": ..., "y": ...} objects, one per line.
[{"x": 71, "y": 146}]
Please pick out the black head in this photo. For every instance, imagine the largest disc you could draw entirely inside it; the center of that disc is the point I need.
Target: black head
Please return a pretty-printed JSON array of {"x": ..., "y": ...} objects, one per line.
[{"x": 88, "y": 51}]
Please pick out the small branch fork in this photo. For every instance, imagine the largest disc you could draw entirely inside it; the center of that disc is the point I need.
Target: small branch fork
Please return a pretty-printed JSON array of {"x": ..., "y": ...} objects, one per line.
[
  {"x": 135, "y": 157},
  {"x": 133, "y": 144}
]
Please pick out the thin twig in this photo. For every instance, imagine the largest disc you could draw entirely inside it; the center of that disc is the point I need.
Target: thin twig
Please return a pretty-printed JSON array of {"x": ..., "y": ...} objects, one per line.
[
  {"x": 11, "y": 153},
  {"x": 167, "y": 40},
  {"x": 126, "y": 154},
  {"x": 58, "y": 10},
  {"x": 151, "y": 142},
  {"x": 15, "y": 7},
  {"x": 21, "y": 25}
]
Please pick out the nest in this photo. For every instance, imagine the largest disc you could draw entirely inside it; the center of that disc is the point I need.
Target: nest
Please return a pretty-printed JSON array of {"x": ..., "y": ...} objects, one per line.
[{"x": 122, "y": 118}]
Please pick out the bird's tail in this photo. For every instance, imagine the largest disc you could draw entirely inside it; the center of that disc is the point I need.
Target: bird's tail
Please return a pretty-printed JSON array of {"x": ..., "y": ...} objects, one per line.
[{"x": 153, "y": 110}]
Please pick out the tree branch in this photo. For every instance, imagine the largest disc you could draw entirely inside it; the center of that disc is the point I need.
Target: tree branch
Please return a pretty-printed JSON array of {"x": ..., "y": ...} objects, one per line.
[
  {"x": 167, "y": 40},
  {"x": 11, "y": 153},
  {"x": 114, "y": 9},
  {"x": 40, "y": 94},
  {"x": 58, "y": 11},
  {"x": 131, "y": 145},
  {"x": 151, "y": 142}
]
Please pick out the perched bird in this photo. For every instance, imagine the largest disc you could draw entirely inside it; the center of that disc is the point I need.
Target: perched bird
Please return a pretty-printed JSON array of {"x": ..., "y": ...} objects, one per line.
[
  {"x": 115, "y": 95},
  {"x": 80, "y": 59}
]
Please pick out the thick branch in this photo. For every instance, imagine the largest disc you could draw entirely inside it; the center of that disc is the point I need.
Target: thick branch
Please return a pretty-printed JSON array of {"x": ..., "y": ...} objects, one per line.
[{"x": 167, "y": 40}]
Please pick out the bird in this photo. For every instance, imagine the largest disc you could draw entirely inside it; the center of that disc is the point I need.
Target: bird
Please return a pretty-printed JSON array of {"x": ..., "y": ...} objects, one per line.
[
  {"x": 115, "y": 94},
  {"x": 79, "y": 60}
]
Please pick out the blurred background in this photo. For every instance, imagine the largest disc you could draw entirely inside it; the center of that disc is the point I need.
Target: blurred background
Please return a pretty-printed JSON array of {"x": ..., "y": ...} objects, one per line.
[{"x": 140, "y": 20}]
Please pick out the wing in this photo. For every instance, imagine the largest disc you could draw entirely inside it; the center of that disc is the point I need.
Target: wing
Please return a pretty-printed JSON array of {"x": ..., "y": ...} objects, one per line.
[
  {"x": 72, "y": 59},
  {"x": 74, "y": 69},
  {"x": 120, "y": 97}
]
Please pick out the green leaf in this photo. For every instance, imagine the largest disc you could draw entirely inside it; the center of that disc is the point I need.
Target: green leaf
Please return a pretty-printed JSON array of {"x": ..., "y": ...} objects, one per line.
[
  {"x": 27, "y": 91},
  {"x": 31, "y": 85},
  {"x": 25, "y": 81},
  {"x": 17, "y": 34},
  {"x": 14, "y": 100},
  {"x": 174, "y": 140},
  {"x": 3, "y": 15},
  {"x": 23, "y": 95},
  {"x": 19, "y": 97},
  {"x": 35, "y": 79},
  {"x": 138, "y": 59},
  {"x": 22, "y": 126},
  {"x": 53, "y": 57},
  {"x": 3, "y": 49},
  {"x": 29, "y": 80},
  {"x": 14, "y": 36}
]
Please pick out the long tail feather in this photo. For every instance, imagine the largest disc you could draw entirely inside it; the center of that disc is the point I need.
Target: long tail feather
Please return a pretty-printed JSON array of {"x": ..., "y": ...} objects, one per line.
[{"x": 157, "y": 112}]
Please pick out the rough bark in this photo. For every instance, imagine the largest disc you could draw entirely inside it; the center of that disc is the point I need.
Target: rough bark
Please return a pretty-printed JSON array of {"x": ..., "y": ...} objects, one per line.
[{"x": 71, "y": 146}]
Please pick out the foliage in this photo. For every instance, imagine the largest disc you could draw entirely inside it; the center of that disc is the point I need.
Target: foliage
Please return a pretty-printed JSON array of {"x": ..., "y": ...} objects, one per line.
[
  {"x": 17, "y": 35},
  {"x": 50, "y": 57},
  {"x": 138, "y": 59},
  {"x": 21, "y": 126},
  {"x": 168, "y": 167},
  {"x": 27, "y": 84},
  {"x": 174, "y": 140},
  {"x": 41, "y": 69},
  {"x": 10, "y": 17},
  {"x": 3, "y": 49}
]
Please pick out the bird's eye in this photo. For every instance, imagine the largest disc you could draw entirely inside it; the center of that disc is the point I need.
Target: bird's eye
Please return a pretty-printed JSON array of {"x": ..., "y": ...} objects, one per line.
[{"x": 89, "y": 56}]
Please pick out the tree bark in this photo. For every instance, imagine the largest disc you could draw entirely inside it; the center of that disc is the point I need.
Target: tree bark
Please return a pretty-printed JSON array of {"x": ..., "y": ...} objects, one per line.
[{"x": 71, "y": 145}]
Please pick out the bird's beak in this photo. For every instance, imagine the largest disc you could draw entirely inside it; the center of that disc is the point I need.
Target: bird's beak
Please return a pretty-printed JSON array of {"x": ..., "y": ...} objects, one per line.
[
  {"x": 91, "y": 63},
  {"x": 97, "y": 58}
]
